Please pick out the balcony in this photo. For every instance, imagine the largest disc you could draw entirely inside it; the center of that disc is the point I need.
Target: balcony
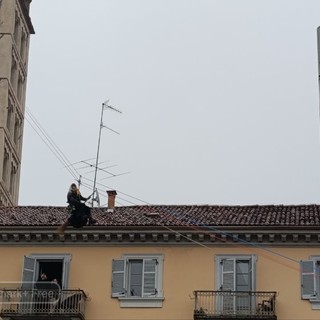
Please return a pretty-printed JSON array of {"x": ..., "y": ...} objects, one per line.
[
  {"x": 20, "y": 304},
  {"x": 254, "y": 305}
]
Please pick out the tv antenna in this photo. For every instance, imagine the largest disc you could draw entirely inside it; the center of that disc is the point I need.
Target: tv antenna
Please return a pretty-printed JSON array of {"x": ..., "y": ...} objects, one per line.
[{"x": 105, "y": 106}]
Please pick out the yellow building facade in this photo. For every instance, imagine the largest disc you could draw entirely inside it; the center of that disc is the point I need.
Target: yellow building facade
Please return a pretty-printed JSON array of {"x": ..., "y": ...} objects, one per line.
[{"x": 133, "y": 265}]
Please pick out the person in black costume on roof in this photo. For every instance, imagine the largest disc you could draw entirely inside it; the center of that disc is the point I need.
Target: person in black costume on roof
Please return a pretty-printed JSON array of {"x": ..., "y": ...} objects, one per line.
[{"x": 80, "y": 213}]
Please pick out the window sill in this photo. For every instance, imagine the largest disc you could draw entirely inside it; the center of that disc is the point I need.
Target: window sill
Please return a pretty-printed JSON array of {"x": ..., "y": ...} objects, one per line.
[
  {"x": 138, "y": 302},
  {"x": 315, "y": 303}
]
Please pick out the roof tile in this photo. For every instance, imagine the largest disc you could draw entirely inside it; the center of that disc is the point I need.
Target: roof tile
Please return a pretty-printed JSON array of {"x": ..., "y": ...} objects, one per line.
[{"x": 171, "y": 215}]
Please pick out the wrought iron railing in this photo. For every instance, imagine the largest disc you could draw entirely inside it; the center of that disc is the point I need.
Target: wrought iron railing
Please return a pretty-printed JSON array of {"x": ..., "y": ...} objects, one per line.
[
  {"x": 246, "y": 304},
  {"x": 33, "y": 302}
]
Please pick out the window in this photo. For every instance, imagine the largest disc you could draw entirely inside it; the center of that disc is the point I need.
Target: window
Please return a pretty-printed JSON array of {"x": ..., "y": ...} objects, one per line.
[
  {"x": 12, "y": 179},
  {"x": 310, "y": 283},
  {"x": 235, "y": 273},
  {"x": 9, "y": 116},
  {"x": 55, "y": 266},
  {"x": 23, "y": 46},
  {"x": 137, "y": 280},
  {"x": 14, "y": 74},
  {"x": 17, "y": 29},
  {"x": 16, "y": 132},
  {"x": 20, "y": 90},
  {"x": 5, "y": 166}
]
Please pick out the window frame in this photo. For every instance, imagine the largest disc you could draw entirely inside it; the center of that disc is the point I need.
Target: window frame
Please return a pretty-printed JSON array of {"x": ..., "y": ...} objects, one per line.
[
  {"x": 64, "y": 257},
  {"x": 146, "y": 301},
  {"x": 218, "y": 259},
  {"x": 315, "y": 297}
]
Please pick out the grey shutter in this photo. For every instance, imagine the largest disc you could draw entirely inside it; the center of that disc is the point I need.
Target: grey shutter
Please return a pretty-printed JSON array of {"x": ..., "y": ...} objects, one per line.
[
  {"x": 149, "y": 277},
  {"x": 308, "y": 279},
  {"x": 118, "y": 278},
  {"x": 65, "y": 272},
  {"x": 28, "y": 273},
  {"x": 228, "y": 274},
  {"x": 228, "y": 283},
  {"x": 253, "y": 273},
  {"x": 28, "y": 281}
]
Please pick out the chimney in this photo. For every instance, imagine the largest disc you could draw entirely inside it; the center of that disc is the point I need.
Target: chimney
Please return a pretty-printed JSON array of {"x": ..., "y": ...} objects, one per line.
[{"x": 111, "y": 200}]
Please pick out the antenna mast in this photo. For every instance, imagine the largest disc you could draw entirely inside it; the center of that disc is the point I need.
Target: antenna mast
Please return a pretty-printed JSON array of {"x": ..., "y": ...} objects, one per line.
[{"x": 105, "y": 105}]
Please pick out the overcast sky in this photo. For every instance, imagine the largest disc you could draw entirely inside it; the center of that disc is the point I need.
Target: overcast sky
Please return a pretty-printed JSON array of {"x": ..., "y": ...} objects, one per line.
[{"x": 219, "y": 101}]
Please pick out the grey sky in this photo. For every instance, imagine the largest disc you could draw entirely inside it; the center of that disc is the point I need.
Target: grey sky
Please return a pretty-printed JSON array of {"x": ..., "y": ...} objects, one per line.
[{"x": 220, "y": 100}]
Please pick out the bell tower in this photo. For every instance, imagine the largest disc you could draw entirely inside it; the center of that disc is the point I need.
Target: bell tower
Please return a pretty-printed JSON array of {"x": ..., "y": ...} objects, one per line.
[{"x": 15, "y": 31}]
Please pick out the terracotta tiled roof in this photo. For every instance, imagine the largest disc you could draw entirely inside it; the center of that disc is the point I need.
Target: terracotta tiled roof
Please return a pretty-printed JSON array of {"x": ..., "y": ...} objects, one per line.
[{"x": 171, "y": 215}]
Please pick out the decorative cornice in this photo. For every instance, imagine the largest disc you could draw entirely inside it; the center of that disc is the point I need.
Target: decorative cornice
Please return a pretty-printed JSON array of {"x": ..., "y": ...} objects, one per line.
[{"x": 138, "y": 237}]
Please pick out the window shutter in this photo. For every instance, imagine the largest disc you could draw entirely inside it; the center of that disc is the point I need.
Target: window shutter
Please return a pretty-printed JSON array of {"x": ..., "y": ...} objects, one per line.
[
  {"x": 28, "y": 281},
  {"x": 149, "y": 277},
  {"x": 65, "y": 274},
  {"x": 308, "y": 279},
  {"x": 28, "y": 273},
  {"x": 118, "y": 278},
  {"x": 228, "y": 274}
]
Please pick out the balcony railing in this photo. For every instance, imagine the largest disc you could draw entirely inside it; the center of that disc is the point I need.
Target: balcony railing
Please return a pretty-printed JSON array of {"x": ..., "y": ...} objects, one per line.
[
  {"x": 39, "y": 304},
  {"x": 235, "y": 305}
]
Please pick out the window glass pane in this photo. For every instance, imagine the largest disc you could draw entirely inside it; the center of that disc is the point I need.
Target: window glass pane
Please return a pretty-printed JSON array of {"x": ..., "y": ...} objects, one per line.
[
  {"x": 136, "y": 266},
  {"x": 242, "y": 266},
  {"x": 242, "y": 275},
  {"x": 135, "y": 277},
  {"x": 242, "y": 279}
]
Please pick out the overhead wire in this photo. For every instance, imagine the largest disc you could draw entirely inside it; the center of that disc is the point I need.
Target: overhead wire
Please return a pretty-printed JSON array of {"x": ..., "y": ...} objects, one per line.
[
  {"x": 67, "y": 164},
  {"x": 90, "y": 180},
  {"x": 197, "y": 227},
  {"x": 57, "y": 152},
  {"x": 51, "y": 144}
]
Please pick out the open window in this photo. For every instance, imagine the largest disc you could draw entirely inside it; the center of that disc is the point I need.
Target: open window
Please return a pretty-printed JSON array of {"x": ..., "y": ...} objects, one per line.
[
  {"x": 235, "y": 274},
  {"x": 55, "y": 266},
  {"x": 137, "y": 280}
]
